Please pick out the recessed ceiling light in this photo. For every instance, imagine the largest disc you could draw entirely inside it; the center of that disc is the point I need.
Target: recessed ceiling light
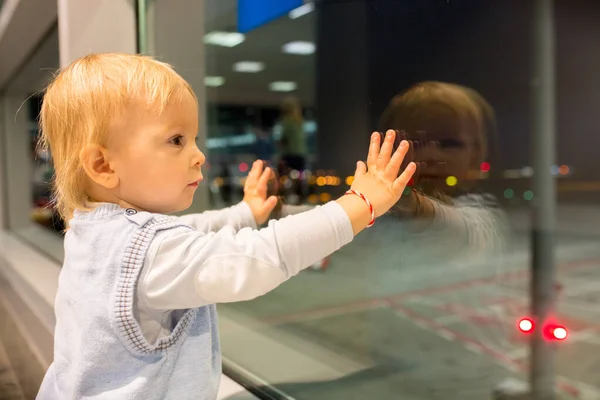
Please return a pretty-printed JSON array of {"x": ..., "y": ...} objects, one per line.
[
  {"x": 282, "y": 86},
  {"x": 302, "y": 10},
  {"x": 214, "y": 81},
  {"x": 248, "y": 66},
  {"x": 225, "y": 39},
  {"x": 299, "y": 47}
]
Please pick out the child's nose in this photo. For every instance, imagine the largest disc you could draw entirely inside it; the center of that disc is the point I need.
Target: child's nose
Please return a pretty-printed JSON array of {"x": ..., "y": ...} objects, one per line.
[{"x": 199, "y": 159}]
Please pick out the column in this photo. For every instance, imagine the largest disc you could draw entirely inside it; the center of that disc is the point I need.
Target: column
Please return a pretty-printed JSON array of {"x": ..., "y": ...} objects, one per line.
[
  {"x": 342, "y": 84},
  {"x": 95, "y": 26},
  {"x": 174, "y": 35}
]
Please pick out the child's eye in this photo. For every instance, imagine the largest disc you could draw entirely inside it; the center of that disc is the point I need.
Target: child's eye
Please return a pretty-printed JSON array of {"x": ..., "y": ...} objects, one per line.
[{"x": 177, "y": 141}]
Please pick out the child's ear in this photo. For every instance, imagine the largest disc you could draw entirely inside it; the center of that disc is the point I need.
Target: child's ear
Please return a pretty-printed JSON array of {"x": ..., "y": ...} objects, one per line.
[{"x": 94, "y": 160}]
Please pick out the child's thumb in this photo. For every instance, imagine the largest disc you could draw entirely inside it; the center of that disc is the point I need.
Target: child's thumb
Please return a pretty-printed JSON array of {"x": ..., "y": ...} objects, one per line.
[
  {"x": 361, "y": 169},
  {"x": 270, "y": 204}
]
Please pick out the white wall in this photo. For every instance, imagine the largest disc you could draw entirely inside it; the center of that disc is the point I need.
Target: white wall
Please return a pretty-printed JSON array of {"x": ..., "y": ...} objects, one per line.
[
  {"x": 23, "y": 23},
  {"x": 95, "y": 26}
]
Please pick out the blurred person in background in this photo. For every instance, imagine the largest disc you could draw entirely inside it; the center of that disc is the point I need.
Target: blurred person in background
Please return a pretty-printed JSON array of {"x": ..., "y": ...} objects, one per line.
[{"x": 292, "y": 144}]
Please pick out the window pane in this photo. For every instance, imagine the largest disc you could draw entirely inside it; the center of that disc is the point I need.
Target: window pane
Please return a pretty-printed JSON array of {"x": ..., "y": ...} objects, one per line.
[
  {"x": 429, "y": 302},
  {"x": 26, "y": 161}
]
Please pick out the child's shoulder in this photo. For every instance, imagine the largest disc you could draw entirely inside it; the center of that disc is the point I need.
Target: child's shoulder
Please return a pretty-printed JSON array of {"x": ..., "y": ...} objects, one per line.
[
  {"x": 114, "y": 217},
  {"x": 155, "y": 221}
]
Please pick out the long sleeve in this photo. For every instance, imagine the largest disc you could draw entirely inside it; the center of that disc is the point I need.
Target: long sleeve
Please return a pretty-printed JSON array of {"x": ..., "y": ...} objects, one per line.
[
  {"x": 186, "y": 269},
  {"x": 237, "y": 217},
  {"x": 475, "y": 221}
]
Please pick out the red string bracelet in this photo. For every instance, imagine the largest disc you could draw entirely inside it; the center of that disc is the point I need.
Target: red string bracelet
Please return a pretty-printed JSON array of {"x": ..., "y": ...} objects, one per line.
[{"x": 362, "y": 196}]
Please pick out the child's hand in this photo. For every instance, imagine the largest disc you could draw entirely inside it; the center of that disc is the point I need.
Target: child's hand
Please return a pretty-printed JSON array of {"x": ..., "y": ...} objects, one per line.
[
  {"x": 255, "y": 192},
  {"x": 378, "y": 180}
]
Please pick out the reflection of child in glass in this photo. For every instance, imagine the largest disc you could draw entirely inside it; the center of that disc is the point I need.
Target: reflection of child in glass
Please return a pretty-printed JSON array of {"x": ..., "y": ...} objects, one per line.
[
  {"x": 449, "y": 127},
  {"x": 135, "y": 308}
]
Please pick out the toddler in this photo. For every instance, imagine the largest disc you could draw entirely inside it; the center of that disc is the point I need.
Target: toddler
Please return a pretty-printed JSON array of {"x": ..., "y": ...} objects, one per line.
[{"x": 135, "y": 308}]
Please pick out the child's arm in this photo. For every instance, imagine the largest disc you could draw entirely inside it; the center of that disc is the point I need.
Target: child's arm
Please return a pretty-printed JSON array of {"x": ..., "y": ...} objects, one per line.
[
  {"x": 238, "y": 216},
  {"x": 252, "y": 211},
  {"x": 186, "y": 268},
  {"x": 473, "y": 223}
]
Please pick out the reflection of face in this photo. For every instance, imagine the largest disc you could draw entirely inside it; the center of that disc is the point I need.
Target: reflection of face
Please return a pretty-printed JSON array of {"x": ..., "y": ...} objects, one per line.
[
  {"x": 443, "y": 143},
  {"x": 442, "y": 154}
]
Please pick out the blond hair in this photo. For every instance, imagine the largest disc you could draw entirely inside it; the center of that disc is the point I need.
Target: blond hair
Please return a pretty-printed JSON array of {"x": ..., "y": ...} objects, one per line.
[
  {"x": 446, "y": 108},
  {"x": 84, "y": 99}
]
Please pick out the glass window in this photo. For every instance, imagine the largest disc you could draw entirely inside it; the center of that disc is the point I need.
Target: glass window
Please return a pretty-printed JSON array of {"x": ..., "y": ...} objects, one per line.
[
  {"x": 435, "y": 300},
  {"x": 28, "y": 169}
]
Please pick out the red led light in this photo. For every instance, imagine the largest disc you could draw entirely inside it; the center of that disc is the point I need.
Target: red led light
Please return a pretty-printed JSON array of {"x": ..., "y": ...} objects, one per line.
[
  {"x": 243, "y": 167},
  {"x": 559, "y": 333},
  {"x": 485, "y": 167},
  {"x": 525, "y": 325}
]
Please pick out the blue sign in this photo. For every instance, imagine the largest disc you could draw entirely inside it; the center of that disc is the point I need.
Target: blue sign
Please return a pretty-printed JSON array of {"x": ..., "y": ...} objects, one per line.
[{"x": 255, "y": 13}]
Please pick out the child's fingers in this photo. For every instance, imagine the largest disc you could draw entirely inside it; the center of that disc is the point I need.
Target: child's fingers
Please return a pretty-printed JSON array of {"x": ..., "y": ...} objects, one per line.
[
  {"x": 386, "y": 149},
  {"x": 373, "y": 150},
  {"x": 401, "y": 182},
  {"x": 255, "y": 171},
  {"x": 361, "y": 169},
  {"x": 264, "y": 177},
  {"x": 393, "y": 167},
  {"x": 270, "y": 204}
]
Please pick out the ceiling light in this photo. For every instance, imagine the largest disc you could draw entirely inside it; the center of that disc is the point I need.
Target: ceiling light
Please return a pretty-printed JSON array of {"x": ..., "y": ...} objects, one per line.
[
  {"x": 248, "y": 66},
  {"x": 302, "y": 10},
  {"x": 214, "y": 81},
  {"x": 225, "y": 39},
  {"x": 299, "y": 47},
  {"x": 282, "y": 86}
]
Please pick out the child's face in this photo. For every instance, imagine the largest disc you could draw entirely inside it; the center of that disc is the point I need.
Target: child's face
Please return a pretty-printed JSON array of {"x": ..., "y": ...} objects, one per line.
[{"x": 156, "y": 158}]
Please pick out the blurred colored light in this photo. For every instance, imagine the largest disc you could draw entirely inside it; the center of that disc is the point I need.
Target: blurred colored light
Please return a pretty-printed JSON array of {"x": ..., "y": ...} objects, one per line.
[
  {"x": 526, "y": 325},
  {"x": 528, "y": 195},
  {"x": 564, "y": 169},
  {"x": 560, "y": 333},
  {"x": 509, "y": 193},
  {"x": 451, "y": 181},
  {"x": 302, "y": 10},
  {"x": 527, "y": 172},
  {"x": 321, "y": 181},
  {"x": 407, "y": 191},
  {"x": 324, "y": 197},
  {"x": 411, "y": 182},
  {"x": 225, "y": 39},
  {"x": 312, "y": 198},
  {"x": 243, "y": 167},
  {"x": 294, "y": 174},
  {"x": 485, "y": 167},
  {"x": 299, "y": 47},
  {"x": 349, "y": 180}
]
